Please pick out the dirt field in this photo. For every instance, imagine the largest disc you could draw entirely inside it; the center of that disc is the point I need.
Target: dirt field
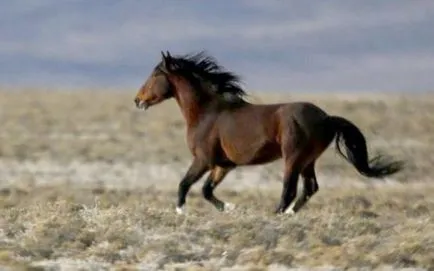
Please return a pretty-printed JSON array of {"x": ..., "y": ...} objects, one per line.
[{"x": 88, "y": 181}]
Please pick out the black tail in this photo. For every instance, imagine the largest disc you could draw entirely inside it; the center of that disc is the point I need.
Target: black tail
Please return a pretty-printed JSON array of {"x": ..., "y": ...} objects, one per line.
[{"x": 357, "y": 153}]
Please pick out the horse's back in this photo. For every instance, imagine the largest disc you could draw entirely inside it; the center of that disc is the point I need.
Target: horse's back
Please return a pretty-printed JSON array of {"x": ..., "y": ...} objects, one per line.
[
  {"x": 302, "y": 124},
  {"x": 267, "y": 117},
  {"x": 306, "y": 114}
]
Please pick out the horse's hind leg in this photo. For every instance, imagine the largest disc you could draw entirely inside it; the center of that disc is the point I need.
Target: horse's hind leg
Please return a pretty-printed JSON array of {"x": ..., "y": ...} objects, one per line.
[
  {"x": 310, "y": 187},
  {"x": 293, "y": 145},
  {"x": 289, "y": 191},
  {"x": 215, "y": 177}
]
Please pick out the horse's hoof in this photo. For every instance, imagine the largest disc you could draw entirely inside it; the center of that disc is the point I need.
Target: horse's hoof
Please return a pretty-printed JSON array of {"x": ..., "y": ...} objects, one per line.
[
  {"x": 290, "y": 212},
  {"x": 229, "y": 206},
  {"x": 179, "y": 210}
]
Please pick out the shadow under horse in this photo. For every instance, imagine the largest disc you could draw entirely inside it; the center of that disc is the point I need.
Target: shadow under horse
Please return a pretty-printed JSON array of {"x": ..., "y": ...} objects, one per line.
[{"x": 225, "y": 131}]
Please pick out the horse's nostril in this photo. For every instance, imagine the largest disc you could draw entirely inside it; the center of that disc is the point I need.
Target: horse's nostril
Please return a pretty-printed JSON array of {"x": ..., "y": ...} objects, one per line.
[{"x": 137, "y": 101}]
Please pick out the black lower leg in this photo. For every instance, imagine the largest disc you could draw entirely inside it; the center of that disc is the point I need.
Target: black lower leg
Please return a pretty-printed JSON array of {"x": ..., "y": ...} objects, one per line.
[
  {"x": 289, "y": 191},
  {"x": 310, "y": 187},
  {"x": 194, "y": 173},
  {"x": 184, "y": 187},
  {"x": 215, "y": 178},
  {"x": 310, "y": 182},
  {"x": 208, "y": 193}
]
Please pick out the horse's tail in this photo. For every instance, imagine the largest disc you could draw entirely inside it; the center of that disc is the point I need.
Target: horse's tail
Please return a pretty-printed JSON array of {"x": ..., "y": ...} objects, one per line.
[{"x": 356, "y": 150}]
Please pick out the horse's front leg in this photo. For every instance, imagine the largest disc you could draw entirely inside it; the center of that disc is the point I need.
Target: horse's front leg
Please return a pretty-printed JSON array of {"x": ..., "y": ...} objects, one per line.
[
  {"x": 215, "y": 178},
  {"x": 196, "y": 170}
]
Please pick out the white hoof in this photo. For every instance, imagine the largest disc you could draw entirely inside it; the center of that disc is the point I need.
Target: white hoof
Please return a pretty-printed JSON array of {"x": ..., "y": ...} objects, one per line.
[
  {"x": 289, "y": 211},
  {"x": 179, "y": 210},
  {"x": 229, "y": 206}
]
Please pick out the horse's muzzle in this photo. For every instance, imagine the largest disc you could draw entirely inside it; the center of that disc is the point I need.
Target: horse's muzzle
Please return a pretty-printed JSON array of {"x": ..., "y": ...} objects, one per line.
[
  {"x": 141, "y": 104},
  {"x": 137, "y": 101}
]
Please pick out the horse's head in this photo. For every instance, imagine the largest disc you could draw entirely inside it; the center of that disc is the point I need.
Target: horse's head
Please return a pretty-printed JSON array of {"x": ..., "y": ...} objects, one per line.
[
  {"x": 157, "y": 87},
  {"x": 192, "y": 79}
]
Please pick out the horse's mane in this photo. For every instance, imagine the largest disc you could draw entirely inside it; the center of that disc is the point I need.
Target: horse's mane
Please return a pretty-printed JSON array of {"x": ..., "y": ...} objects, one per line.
[{"x": 205, "y": 68}]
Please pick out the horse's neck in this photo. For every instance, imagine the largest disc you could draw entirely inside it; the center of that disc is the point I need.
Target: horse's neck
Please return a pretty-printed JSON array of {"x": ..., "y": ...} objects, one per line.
[{"x": 189, "y": 103}]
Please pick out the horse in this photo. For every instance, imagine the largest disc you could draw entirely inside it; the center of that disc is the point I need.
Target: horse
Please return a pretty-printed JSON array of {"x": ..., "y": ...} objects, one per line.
[{"x": 225, "y": 131}]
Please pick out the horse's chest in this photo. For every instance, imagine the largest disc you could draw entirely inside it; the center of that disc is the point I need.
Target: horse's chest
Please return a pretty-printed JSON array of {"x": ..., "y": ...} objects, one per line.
[{"x": 201, "y": 140}]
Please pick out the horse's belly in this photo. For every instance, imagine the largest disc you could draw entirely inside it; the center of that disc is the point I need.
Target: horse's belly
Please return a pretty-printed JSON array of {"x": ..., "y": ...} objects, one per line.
[
  {"x": 250, "y": 138},
  {"x": 250, "y": 153},
  {"x": 268, "y": 153}
]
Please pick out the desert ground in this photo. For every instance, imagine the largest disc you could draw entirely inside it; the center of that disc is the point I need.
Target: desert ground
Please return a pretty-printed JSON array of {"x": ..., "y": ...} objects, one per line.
[{"x": 88, "y": 182}]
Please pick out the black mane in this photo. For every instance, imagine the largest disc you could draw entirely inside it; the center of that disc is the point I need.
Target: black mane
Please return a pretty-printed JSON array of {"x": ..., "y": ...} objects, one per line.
[{"x": 206, "y": 69}]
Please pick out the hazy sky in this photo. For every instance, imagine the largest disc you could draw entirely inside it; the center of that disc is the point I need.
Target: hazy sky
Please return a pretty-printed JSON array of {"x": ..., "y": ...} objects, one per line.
[{"x": 315, "y": 45}]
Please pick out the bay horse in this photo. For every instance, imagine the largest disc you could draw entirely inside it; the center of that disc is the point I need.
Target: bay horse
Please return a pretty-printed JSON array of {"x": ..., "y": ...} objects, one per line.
[{"x": 225, "y": 131}]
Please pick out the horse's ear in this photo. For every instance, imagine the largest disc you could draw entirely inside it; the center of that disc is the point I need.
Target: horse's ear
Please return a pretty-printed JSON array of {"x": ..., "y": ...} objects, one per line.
[{"x": 168, "y": 64}]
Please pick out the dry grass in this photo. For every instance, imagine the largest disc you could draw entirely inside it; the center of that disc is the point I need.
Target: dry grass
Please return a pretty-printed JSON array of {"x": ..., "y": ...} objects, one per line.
[
  {"x": 342, "y": 228},
  {"x": 90, "y": 226}
]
